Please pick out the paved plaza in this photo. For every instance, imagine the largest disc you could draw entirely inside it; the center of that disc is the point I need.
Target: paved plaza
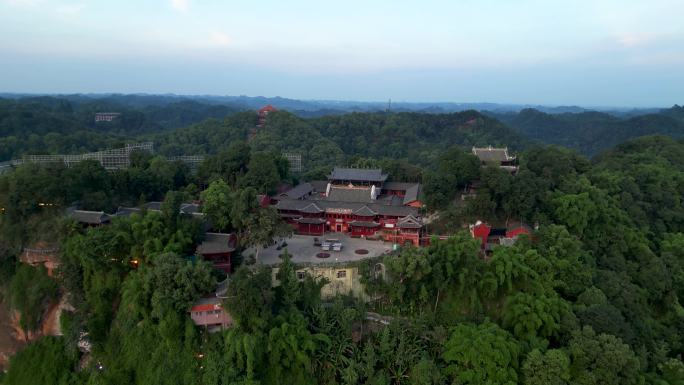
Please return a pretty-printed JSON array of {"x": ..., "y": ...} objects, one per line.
[{"x": 303, "y": 250}]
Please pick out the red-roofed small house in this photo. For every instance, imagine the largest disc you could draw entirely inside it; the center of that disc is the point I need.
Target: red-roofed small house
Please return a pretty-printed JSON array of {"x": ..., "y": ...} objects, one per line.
[{"x": 209, "y": 313}]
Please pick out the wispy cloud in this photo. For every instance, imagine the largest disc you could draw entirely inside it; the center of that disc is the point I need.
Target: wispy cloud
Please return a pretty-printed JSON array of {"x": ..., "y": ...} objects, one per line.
[
  {"x": 22, "y": 3},
  {"x": 70, "y": 10},
  {"x": 180, "y": 5},
  {"x": 636, "y": 39},
  {"x": 220, "y": 39}
]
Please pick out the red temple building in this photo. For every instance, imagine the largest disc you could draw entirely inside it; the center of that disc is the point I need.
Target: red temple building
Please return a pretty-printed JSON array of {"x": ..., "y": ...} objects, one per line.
[
  {"x": 263, "y": 114},
  {"x": 358, "y": 202},
  {"x": 491, "y": 236},
  {"x": 218, "y": 249}
]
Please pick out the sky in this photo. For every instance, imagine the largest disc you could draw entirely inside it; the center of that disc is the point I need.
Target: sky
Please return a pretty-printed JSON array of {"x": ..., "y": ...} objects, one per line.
[{"x": 622, "y": 53}]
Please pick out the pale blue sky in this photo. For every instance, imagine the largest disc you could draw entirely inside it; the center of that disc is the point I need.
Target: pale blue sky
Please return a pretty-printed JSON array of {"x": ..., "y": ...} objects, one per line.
[{"x": 585, "y": 52}]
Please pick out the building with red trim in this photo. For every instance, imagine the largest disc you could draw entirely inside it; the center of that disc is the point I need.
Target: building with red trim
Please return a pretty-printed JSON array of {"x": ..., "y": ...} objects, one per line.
[
  {"x": 263, "y": 114},
  {"x": 355, "y": 201},
  {"x": 209, "y": 313},
  {"x": 218, "y": 249},
  {"x": 491, "y": 236}
]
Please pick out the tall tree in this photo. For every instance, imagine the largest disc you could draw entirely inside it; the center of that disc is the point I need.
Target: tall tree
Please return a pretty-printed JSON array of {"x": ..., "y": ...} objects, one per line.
[
  {"x": 481, "y": 354},
  {"x": 217, "y": 204},
  {"x": 602, "y": 359},
  {"x": 551, "y": 367},
  {"x": 262, "y": 173},
  {"x": 262, "y": 227}
]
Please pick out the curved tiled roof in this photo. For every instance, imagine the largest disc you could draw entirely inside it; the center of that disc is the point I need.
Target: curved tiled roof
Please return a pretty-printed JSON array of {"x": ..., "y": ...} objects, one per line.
[
  {"x": 364, "y": 224},
  {"x": 365, "y": 212},
  {"x": 217, "y": 243},
  {"x": 409, "y": 221},
  {"x": 311, "y": 221},
  {"x": 341, "y": 194},
  {"x": 412, "y": 193},
  {"x": 323, "y": 205},
  {"x": 311, "y": 208},
  {"x": 90, "y": 217},
  {"x": 299, "y": 191},
  {"x": 358, "y": 174}
]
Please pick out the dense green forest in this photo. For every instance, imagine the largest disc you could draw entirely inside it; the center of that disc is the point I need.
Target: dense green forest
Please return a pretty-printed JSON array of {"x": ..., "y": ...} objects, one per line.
[
  {"x": 591, "y": 132},
  {"x": 66, "y": 125},
  {"x": 50, "y": 125},
  {"x": 592, "y": 297}
]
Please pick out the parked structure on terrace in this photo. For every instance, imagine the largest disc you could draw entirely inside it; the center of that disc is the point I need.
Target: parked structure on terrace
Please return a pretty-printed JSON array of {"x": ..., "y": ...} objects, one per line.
[{"x": 491, "y": 156}]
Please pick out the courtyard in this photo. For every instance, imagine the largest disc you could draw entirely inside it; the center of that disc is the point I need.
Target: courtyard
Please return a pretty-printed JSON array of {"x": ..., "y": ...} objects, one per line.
[{"x": 303, "y": 250}]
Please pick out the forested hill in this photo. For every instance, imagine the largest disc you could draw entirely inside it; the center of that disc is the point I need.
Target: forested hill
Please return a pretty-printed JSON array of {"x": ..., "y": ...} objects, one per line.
[
  {"x": 197, "y": 126},
  {"x": 323, "y": 142},
  {"x": 415, "y": 137},
  {"x": 592, "y": 132},
  {"x": 413, "y": 134},
  {"x": 67, "y": 125},
  {"x": 593, "y": 298}
]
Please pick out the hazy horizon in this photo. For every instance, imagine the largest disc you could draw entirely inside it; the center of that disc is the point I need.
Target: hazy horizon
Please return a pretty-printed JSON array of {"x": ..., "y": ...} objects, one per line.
[
  {"x": 622, "y": 54},
  {"x": 435, "y": 103}
]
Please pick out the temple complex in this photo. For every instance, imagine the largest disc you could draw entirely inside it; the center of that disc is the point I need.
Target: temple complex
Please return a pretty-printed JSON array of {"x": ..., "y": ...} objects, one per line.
[{"x": 359, "y": 202}]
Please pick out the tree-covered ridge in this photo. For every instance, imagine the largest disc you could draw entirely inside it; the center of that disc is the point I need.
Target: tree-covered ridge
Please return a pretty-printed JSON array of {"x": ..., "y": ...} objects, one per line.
[
  {"x": 38, "y": 125},
  {"x": 66, "y": 125},
  {"x": 592, "y": 132},
  {"x": 414, "y": 136},
  {"x": 333, "y": 140},
  {"x": 207, "y": 137},
  {"x": 195, "y": 127},
  {"x": 348, "y": 139},
  {"x": 591, "y": 298},
  {"x": 647, "y": 176}
]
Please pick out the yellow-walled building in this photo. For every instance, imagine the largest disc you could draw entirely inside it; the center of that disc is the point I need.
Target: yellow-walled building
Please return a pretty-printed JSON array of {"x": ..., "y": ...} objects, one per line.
[{"x": 343, "y": 280}]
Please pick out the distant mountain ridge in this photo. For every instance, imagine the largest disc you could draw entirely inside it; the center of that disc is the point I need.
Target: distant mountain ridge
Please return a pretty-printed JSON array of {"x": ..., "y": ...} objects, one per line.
[
  {"x": 50, "y": 124},
  {"x": 307, "y": 108},
  {"x": 591, "y": 132}
]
